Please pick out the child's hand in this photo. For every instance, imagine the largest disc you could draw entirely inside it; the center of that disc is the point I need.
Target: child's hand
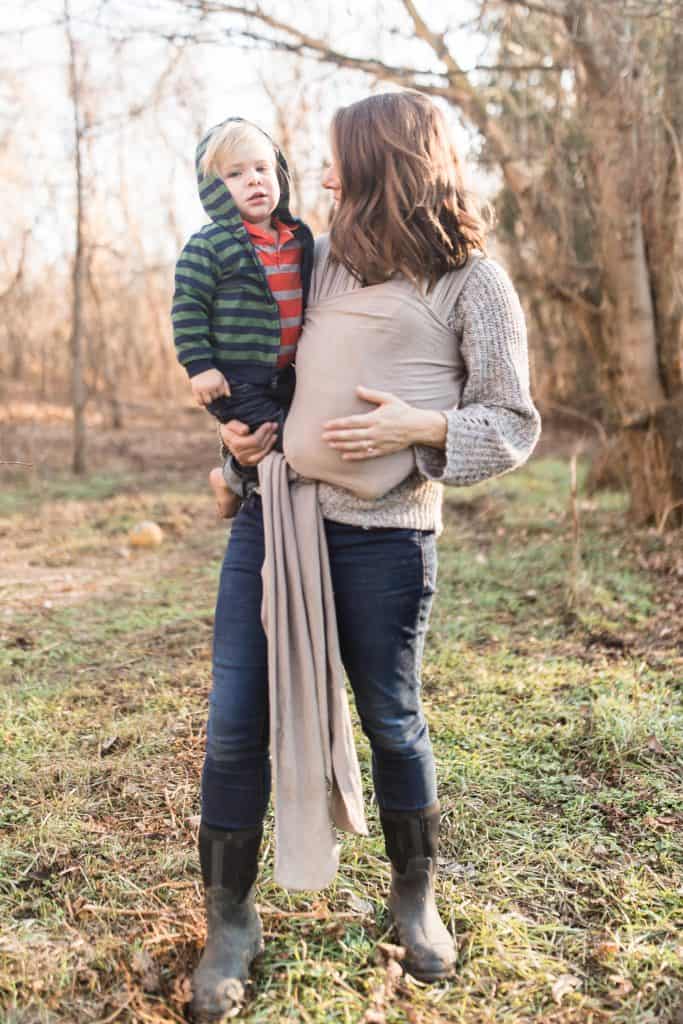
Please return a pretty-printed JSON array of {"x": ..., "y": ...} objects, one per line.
[{"x": 209, "y": 385}]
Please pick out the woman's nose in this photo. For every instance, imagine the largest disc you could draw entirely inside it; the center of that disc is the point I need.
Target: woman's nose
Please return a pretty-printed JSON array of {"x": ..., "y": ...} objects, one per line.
[{"x": 330, "y": 179}]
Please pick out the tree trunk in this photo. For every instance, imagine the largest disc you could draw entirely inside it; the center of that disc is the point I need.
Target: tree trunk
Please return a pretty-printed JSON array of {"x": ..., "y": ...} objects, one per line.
[
  {"x": 664, "y": 219},
  {"x": 103, "y": 359},
  {"x": 16, "y": 344},
  {"x": 630, "y": 347},
  {"x": 628, "y": 321},
  {"x": 78, "y": 392}
]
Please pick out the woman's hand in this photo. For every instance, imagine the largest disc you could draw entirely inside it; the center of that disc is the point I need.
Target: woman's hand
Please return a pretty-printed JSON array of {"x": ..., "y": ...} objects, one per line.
[
  {"x": 391, "y": 427},
  {"x": 248, "y": 448}
]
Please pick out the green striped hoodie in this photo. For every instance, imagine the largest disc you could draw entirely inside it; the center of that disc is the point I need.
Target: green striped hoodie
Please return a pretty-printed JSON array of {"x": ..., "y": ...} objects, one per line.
[{"x": 224, "y": 313}]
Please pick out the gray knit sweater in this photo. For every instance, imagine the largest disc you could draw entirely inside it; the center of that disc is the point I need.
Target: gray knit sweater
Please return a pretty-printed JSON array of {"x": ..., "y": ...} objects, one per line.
[{"x": 494, "y": 428}]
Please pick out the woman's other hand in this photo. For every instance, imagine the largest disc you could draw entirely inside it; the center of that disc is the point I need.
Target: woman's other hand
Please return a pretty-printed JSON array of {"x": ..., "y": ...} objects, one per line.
[
  {"x": 248, "y": 448},
  {"x": 391, "y": 427}
]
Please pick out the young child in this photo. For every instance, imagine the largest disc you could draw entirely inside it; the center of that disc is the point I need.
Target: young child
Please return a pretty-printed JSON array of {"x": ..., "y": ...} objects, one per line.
[{"x": 240, "y": 287}]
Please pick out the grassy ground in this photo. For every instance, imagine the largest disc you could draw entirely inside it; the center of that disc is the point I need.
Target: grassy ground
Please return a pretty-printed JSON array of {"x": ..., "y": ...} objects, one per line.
[{"x": 558, "y": 733}]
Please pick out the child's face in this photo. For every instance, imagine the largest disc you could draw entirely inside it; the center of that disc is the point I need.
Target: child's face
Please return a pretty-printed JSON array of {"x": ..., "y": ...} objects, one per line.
[{"x": 251, "y": 178}]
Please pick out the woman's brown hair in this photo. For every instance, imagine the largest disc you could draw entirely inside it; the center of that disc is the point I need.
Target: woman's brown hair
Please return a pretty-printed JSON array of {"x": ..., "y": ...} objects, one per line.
[{"x": 403, "y": 206}]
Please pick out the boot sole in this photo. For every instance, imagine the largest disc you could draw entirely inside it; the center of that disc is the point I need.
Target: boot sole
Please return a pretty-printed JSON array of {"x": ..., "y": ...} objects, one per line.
[
  {"x": 200, "y": 1015},
  {"x": 424, "y": 976},
  {"x": 428, "y": 976}
]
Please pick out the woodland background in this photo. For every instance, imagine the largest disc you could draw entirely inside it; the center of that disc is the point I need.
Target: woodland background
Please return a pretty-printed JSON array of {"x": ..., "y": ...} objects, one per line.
[
  {"x": 553, "y": 678},
  {"x": 571, "y": 114}
]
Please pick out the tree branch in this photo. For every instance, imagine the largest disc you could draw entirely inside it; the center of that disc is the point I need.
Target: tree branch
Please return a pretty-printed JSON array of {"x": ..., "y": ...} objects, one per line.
[
  {"x": 306, "y": 45},
  {"x": 304, "y": 41},
  {"x": 326, "y": 54}
]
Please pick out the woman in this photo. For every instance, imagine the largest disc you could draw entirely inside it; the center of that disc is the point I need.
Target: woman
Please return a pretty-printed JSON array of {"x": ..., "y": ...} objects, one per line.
[{"x": 402, "y": 219}]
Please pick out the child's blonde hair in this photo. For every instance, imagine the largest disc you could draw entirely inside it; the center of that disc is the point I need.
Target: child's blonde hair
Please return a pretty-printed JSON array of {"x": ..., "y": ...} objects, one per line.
[{"x": 228, "y": 140}]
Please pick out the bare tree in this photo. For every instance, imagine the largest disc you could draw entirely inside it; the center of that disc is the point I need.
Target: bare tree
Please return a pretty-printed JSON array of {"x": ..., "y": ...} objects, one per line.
[
  {"x": 78, "y": 390},
  {"x": 12, "y": 305}
]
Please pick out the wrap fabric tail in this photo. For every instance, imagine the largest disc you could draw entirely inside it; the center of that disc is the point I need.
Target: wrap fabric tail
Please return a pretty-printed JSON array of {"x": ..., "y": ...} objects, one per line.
[{"x": 316, "y": 776}]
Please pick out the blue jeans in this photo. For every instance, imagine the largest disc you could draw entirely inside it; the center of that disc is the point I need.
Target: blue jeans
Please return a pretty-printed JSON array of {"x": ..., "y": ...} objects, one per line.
[{"x": 383, "y": 583}]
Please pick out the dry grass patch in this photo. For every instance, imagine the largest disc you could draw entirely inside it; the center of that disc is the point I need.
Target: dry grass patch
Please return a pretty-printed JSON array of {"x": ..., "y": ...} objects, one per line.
[{"x": 559, "y": 740}]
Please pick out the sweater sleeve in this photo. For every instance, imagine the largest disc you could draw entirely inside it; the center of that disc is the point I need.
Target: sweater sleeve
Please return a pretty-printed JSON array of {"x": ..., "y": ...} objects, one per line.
[
  {"x": 496, "y": 426},
  {"x": 196, "y": 275}
]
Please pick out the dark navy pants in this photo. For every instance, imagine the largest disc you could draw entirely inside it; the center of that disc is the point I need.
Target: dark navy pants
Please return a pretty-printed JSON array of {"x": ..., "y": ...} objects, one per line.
[{"x": 383, "y": 582}]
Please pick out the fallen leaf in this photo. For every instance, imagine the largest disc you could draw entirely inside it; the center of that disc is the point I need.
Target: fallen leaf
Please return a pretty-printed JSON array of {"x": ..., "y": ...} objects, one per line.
[
  {"x": 108, "y": 746},
  {"x": 456, "y": 869},
  {"x": 182, "y": 990},
  {"x": 335, "y": 929},
  {"x": 147, "y": 968},
  {"x": 385, "y": 955},
  {"x": 622, "y": 986},
  {"x": 359, "y": 905},
  {"x": 605, "y": 949},
  {"x": 394, "y": 973},
  {"x": 373, "y": 1016},
  {"x": 565, "y": 983},
  {"x": 388, "y": 951}
]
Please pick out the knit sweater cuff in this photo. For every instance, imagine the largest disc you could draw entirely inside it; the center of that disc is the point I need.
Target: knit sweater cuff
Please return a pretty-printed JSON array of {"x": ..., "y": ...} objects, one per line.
[{"x": 481, "y": 442}]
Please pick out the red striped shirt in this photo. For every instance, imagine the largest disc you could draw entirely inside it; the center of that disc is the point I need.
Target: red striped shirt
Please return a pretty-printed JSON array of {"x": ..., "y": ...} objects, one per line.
[{"x": 281, "y": 260}]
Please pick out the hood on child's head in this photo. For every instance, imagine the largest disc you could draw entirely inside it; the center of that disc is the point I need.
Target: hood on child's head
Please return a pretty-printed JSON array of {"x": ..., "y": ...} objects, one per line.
[{"x": 215, "y": 195}]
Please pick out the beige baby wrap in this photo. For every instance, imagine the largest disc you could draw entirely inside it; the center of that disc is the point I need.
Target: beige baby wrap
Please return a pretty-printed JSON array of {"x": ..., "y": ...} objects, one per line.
[
  {"x": 387, "y": 336},
  {"x": 393, "y": 338}
]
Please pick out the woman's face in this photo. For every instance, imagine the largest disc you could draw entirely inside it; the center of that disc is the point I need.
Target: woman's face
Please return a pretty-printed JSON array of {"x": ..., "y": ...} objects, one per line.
[{"x": 330, "y": 179}]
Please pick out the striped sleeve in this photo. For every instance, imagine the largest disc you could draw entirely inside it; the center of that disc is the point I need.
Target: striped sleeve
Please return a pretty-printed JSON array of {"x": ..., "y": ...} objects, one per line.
[{"x": 196, "y": 275}]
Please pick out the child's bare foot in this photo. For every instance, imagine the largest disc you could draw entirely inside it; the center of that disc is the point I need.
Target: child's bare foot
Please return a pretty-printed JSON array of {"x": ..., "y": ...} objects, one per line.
[{"x": 227, "y": 503}]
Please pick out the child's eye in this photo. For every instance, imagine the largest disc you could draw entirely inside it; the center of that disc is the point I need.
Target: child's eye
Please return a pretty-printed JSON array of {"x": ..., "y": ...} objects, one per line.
[{"x": 233, "y": 174}]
